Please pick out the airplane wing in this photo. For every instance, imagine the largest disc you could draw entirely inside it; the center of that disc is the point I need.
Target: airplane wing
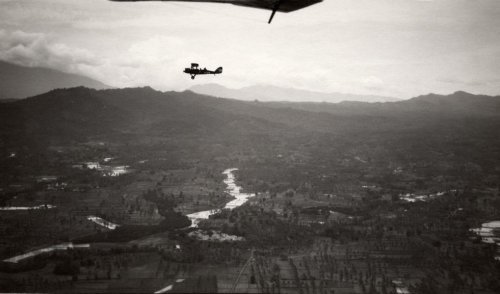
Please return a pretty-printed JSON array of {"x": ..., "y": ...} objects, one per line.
[
  {"x": 284, "y": 5},
  {"x": 274, "y": 5}
]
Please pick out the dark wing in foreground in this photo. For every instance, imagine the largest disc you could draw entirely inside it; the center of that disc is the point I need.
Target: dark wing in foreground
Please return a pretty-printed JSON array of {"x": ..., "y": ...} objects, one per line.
[{"x": 274, "y": 5}]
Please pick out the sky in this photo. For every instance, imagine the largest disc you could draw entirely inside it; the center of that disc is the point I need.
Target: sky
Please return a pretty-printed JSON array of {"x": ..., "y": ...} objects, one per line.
[{"x": 397, "y": 48}]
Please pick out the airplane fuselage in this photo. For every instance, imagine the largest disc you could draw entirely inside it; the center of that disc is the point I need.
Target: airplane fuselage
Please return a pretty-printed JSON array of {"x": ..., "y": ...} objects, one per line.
[{"x": 199, "y": 71}]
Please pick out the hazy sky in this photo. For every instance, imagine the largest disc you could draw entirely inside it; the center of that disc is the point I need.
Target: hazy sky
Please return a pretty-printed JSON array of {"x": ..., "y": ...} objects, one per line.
[{"x": 399, "y": 48}]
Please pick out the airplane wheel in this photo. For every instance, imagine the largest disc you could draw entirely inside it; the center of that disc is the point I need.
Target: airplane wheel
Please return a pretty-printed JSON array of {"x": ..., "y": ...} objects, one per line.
[{"x": 192, "y": 78}]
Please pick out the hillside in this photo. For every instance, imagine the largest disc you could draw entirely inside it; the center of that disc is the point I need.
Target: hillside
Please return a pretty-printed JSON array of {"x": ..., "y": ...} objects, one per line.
[
  {"x": 77, "y": 111},
  {"x": 206, "y": 127},
  {"x": 21, "y": 82}
]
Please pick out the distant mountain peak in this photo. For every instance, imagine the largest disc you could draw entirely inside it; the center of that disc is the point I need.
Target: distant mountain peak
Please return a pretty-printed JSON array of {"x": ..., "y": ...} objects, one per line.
[
  {"x": 21, "y": 82},
  {"x": 454, "y": 95},
  {"x": 462, "y": 93}
]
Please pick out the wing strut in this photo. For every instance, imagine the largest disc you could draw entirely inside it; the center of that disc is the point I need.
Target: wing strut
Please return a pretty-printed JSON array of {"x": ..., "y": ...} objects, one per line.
[{"x": 275, "y": 8}]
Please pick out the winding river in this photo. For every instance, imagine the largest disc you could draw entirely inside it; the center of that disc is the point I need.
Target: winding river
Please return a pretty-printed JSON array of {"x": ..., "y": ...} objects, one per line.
[
  {"x": 240, "y": 198},
  {"x": 63, "y": 246},
  {"x": 43, "y": 206},
  {"x": 230, "y": 181},
  {"x": 233, "y": 190}
]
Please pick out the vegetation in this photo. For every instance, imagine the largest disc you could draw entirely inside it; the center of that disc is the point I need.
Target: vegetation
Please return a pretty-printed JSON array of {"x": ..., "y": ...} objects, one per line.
[{"x": 332, "y": 212}]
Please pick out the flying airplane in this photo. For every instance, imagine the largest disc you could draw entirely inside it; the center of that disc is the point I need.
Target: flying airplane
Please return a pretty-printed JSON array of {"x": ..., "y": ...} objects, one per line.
[
  {"x": 273, "y": 5},
  {"x": 194, "y": 70}
]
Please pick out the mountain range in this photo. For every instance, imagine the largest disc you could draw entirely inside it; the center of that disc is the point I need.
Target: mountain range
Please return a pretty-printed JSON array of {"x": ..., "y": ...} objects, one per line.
[
  {"x": 459, "y": 103},
  {"x": 460, "y": 129},
  {"x": 21, "y": 82},
  {"x": 267, "y": 93},
  {"x": 80, "y": 112}
]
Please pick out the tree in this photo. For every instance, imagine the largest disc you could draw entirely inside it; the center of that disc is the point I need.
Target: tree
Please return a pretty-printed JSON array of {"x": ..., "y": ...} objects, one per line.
[{"x": 67, "y": 267}]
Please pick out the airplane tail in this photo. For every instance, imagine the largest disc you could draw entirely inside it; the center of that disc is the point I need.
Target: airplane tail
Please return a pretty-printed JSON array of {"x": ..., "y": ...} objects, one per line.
[{"x": 218, "y": 70}]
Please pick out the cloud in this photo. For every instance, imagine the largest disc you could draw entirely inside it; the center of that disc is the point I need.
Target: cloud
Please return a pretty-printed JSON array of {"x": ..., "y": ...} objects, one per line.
[
  {"x": 394, "y": 48},
  {"x": 37, "y": 50},
  {"x": 142, "y": 64}
]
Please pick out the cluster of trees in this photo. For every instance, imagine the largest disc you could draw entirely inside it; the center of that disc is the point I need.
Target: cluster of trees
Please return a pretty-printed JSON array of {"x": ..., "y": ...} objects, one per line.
[
  {"x": 262, "y": 228},
  {"x": 196, "y": 251},
  {"x": 166, "y": 204}
]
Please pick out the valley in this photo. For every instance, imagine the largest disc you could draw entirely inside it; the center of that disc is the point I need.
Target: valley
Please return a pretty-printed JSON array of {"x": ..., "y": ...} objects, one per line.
[{"x": 140, "y": 191}]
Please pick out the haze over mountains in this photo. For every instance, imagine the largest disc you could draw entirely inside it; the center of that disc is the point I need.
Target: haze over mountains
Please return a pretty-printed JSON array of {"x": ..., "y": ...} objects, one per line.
[
  {"x": 459, "y": 103},
  {"x": 21, "y": 82},
  {"x": 266, "y": 93},
  {"x": 267, "y": 105}
]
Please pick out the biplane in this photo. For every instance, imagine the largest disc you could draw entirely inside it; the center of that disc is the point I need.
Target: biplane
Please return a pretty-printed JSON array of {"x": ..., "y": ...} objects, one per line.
[
  {"x": 273, "y": 5},
  {"x": 196, "y": 70}
]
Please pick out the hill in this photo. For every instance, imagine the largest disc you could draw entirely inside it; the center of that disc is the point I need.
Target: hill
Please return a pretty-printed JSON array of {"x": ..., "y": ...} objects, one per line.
[
  {"x": 78, "y": 111},
  {"x": 21, "y": 82},
  {"x": 189, "y": 121}
]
